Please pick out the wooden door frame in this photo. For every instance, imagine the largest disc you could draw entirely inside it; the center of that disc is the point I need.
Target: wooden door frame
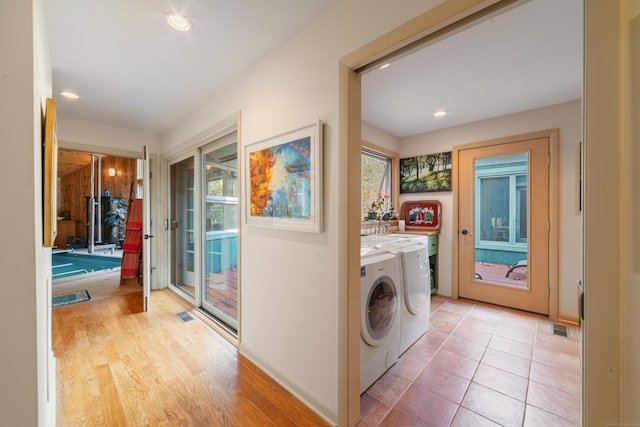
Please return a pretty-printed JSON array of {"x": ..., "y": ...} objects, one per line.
[{"x": 554, "y": 232}]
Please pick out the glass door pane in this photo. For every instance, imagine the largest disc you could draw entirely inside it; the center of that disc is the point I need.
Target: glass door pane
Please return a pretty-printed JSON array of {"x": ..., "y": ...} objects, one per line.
[
  {"x": 182, "y": 226},
  {"x": 220, "y": 196},
  {"x": 501, "y": 219}
]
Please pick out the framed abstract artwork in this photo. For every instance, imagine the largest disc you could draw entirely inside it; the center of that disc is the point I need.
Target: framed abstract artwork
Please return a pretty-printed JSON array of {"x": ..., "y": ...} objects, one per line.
[{"x": 283, "y": 180}]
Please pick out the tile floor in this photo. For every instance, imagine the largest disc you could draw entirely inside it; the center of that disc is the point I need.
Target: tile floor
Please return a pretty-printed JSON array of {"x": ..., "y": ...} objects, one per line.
[{"x": 480, "y": 365}]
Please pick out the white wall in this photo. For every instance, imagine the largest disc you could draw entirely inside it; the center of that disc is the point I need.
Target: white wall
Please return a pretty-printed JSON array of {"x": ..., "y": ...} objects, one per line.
[
  {"x": 564, "y": 116},
  {"x": 76, "y": 134},
  {"x": 26, "y": 363},
  {"x": 292, "y": 284}
]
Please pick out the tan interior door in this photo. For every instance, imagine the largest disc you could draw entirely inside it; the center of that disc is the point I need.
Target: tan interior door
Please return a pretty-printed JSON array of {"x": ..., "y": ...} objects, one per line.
[{"x": 503, "y": 220}]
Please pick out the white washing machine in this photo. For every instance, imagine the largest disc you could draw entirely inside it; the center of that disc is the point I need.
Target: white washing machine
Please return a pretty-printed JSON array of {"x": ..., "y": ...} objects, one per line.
[
  {"x": 380, "y": 308},
  {"x": 412, "y": 250},
  {"x": 372, "y": 243},
  {"x": 412, "y": 238}
]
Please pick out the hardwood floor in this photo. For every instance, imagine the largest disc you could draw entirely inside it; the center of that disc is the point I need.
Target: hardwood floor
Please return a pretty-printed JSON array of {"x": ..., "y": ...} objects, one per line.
[
  {"x": 100, "y": 285},
  {"x": 118, "y": 366}
]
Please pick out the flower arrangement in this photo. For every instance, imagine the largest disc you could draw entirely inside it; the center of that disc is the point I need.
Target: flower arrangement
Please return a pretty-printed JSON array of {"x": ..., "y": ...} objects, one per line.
[{"x": 380, "y": 206}]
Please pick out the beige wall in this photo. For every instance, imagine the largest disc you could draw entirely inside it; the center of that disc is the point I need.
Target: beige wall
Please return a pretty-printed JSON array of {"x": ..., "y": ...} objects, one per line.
[
  {"x": 27, "y": 368},
  {"x": 312, "y": 327},
  {"x": 629, "y": 215},
  {"x": 293, "y": 284},
  {"x": 377, "y": 136},
  {"x": 610, "y": 344}
]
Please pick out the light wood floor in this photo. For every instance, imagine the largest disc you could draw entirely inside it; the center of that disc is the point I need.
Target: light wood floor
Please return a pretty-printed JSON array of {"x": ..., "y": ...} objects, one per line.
[{"x": 118, "y": 366}]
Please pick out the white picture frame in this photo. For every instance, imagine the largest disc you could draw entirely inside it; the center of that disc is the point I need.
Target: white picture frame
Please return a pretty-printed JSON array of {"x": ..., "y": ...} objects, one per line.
[{"x": 283, "y": 180}]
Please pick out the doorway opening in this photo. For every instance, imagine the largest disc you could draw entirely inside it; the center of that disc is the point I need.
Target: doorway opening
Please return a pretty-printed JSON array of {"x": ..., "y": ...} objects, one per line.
[
  {"x": 87, "y": 254},
  {"x": 420, "y": 32}
]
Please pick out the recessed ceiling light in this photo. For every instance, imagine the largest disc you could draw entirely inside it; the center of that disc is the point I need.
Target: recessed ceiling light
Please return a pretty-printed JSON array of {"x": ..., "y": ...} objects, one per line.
[
  {"x": 382, "y": 67},
  {"x": 440, "y": 113},
  {"x": 178, "y": 22},
  {"x": 69, "y": 95}
]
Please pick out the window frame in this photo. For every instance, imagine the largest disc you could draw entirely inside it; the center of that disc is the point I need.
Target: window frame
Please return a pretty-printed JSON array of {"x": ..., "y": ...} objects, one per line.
[{"x": 511, "y": 172}]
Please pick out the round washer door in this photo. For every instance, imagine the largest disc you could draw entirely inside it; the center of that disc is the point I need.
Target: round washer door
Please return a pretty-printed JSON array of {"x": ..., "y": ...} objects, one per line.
[{"x": 380, "y": 311}]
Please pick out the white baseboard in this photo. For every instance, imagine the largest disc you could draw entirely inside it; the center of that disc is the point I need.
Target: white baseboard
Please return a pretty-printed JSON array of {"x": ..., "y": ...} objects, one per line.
[{"x": 301, "y": 395}]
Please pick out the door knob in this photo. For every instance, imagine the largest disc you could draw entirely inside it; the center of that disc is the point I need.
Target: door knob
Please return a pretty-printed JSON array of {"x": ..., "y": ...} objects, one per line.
[{"x": 464, "y": 232}]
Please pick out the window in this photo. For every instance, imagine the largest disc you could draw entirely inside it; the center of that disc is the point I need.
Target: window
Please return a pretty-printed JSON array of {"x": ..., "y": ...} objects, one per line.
[
  {"x": 375, "y": 179},
  {"x": 221, "y": 198},
  {"x": 501, "y": 201},
  {"x": 139, "y": 178}
]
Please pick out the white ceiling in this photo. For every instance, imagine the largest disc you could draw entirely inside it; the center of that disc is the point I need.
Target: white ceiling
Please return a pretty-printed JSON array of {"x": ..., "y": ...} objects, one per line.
[
  {"x": 132, "y": 71},
  {"x": 527, "y": 57}
]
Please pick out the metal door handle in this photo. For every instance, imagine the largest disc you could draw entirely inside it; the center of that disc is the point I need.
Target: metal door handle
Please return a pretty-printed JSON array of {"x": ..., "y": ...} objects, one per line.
[
  {"x": 464, "y": 232},
  {"x": 148, "y": 236}
]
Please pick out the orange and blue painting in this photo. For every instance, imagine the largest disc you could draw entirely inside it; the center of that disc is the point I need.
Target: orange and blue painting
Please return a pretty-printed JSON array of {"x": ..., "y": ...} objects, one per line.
[{"x": 280, "y": 180}]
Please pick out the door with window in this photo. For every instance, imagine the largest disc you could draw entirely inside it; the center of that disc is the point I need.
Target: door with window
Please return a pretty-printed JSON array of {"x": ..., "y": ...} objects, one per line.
[
  {"x": 220, "y": 227},
  {"x": 503, "y": 224}
]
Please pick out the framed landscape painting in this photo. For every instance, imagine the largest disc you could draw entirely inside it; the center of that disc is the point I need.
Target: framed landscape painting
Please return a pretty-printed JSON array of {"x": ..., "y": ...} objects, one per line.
[
  {"x": 424, "y": 174},
  {"x": 283, "y": 180}
]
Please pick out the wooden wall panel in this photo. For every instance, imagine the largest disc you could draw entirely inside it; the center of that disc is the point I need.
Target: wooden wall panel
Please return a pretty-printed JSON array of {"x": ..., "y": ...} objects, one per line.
[{"x": 75, "y": 186}]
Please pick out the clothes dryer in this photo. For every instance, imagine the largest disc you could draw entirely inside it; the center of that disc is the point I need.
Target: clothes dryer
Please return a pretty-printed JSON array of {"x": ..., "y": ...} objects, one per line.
[
  {"x": 416, "y": 292},
  {"x": 380, "y": 310}
]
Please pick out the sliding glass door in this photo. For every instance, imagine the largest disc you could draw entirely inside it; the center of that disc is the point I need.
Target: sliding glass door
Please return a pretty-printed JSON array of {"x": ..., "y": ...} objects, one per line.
[
  {"x": 220, "y": 226},
  {"x": 203, "y": 228}
]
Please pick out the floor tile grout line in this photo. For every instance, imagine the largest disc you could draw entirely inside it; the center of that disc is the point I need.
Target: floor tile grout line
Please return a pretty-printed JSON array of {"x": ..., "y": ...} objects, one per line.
[
  {"x": 427, "y": 362},
  {"x": 476, "y": 371},
  {"x": 473, "y": 304},
  {"x": 466, "y": 315},
  {"x": 533, "y": 349}
]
